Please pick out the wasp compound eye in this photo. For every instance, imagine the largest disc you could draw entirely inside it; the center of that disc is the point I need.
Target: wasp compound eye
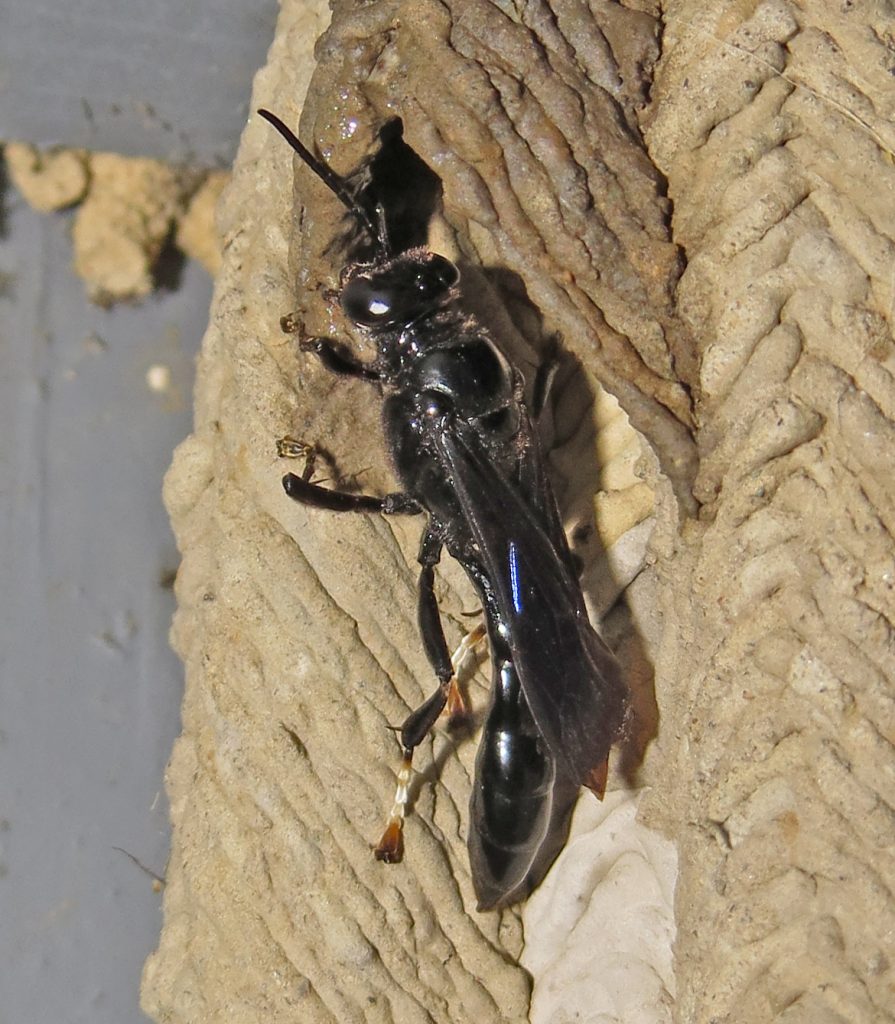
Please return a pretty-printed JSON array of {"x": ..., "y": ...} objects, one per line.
[{"x": 367, "y": 304}]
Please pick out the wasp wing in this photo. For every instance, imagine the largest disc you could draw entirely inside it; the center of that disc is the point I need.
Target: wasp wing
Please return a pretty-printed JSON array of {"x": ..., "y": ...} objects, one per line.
[{"x": 570, "y": 678}]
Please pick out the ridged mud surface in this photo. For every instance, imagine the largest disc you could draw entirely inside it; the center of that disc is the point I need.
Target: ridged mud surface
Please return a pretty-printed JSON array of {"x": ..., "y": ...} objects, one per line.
[{"x": 701, "y": 202}]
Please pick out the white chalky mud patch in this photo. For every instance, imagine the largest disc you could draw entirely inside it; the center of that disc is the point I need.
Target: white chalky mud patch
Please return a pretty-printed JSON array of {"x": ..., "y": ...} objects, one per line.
[{"x": 599, "y": 930}]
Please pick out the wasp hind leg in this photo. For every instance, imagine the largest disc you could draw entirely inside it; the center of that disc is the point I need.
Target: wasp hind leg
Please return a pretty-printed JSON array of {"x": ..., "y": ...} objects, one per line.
[
  {"x": 413, "y": 731},
  {"x": 419, "y": 723}
]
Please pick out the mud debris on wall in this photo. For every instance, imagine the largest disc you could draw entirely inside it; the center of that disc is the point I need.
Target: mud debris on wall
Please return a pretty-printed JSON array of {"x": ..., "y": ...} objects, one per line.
[{"x": 129, "y": 211}]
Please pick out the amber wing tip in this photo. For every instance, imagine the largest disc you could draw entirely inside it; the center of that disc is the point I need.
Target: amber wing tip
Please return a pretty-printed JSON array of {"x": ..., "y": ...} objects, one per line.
[{"x": 596, "y": 779}]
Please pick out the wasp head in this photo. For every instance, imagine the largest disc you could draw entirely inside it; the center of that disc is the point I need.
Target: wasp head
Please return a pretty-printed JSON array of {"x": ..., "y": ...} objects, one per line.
[{"x": 399, "y": 291}]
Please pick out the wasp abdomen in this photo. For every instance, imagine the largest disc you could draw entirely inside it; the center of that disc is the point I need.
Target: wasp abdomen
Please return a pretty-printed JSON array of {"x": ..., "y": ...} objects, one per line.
[{"x": 511, "y": 805}]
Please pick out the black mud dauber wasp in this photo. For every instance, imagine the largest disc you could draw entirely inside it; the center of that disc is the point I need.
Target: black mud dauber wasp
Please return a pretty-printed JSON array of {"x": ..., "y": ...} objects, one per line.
[{"x": 467, "y": 456}]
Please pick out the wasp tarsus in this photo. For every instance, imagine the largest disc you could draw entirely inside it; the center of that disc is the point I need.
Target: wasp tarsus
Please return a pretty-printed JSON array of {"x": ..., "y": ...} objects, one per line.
[
  {"x": 290, "y": 323},
  {"x": 292, "y": 448}
]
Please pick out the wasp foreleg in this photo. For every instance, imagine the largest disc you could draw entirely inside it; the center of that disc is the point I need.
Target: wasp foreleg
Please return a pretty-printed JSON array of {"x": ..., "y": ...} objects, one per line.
[
  {"x": 292, "y": 448},
  {"x": 338, "y": 358}
]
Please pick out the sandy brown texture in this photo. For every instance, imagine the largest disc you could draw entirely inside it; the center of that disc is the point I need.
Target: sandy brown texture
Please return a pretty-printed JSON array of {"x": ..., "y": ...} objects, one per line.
[
  {"x": 774, "y": 124},
  {"x": 761, "y": 381},
  {"x": 121, "y": 227},
  {"x": 128, "y": 208},
  {"x": 534, "y": 133},
  {"x": 48, "y": 180},
  {"x": 196, "y": 235},
  {"x": 298, "y": 628}
]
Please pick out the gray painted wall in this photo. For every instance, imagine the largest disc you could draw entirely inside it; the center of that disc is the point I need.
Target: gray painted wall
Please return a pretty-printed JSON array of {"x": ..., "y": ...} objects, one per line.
[
  {"x": 89, "y": 689},
  {"x": 159, "y": 78}
]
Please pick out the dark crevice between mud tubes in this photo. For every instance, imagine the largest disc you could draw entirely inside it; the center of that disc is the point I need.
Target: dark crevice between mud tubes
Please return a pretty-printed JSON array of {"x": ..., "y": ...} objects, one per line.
[{"x": 397, "y": 181}]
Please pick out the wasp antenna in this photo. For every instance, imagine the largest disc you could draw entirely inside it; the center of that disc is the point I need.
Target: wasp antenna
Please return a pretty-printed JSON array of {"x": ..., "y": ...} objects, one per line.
[
  {"x": 328, "y": 176},
  {"x": 332, "y": 181}
]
